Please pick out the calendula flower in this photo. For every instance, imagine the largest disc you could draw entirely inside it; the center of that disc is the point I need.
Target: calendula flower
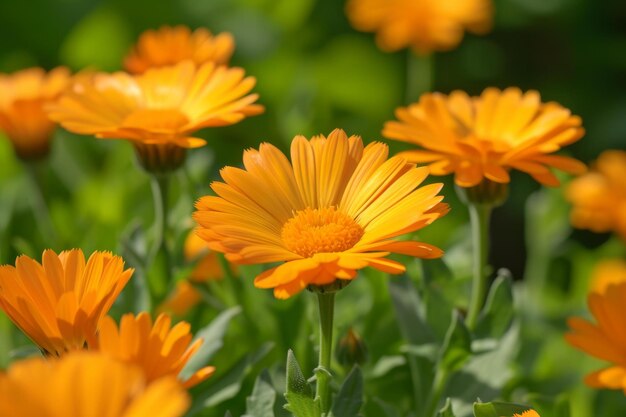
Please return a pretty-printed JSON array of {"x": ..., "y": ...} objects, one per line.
[
  {"x": 336, "y": 208},
  {"x": 158, "y": 110},
  {"x": 604, "y": 339},
  {"x": 60, "y": 302},
  {"x": 599, "y": 197},
  {"x": 185, "y": 295},
  {"x": 22, "y": 116},
  {"x": 171, "y": 45},
  {"x": 86, "y": 384},
  {"x": 607, "y": 273},
  {"x": 160, "y": 350},
  {"x": 483, "y": 138},
  {"x": 528, "y": 413},
  {"x": 423, "y": 25}
]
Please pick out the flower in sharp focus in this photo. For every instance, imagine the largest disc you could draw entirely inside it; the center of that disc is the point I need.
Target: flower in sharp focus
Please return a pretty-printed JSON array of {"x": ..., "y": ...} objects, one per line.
[
  {"x": 86, "y": 384},
  {"x": 158, "y": 110},
  {"x": 599, "y": 197},
  {"x": 607, "y": 273},
  {"x": 22, "y": 115},
  {"x": 171, "y": 45},
  {"x": 160, "y": 350},
  {"x": 482, "y": 138},
  {"x": 59, "y": 303},
  {"x": 605, "y": 339},
  {"x": 185, "y": 296},
  {"x": 335, "y": 208},
  {"x": 423, "y": 25}
]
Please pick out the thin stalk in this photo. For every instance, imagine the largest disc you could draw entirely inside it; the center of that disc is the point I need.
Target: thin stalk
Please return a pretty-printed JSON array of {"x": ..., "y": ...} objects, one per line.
[
  {"x": 40, "y": 208},
  {"x": 420, "y": 71},
  {"x": 326, "y": 303},
  {"x": 160, "y": 188},
  {"x": 439, "y": 385},
  {"x": 479, "y": 221}
]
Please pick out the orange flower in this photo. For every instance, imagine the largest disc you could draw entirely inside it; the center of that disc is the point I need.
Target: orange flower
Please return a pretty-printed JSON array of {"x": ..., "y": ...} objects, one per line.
[
  {"x": 22, "y": 118},
  {"x": 599, "y": 197},
  {"x": 424, "y": 25},
  {"x": 336, "y": 208},
  {"x": 479, "y": 138},
  {"x": 607, "y": 273},
  {"x": 605, "y": 340},
  {"x": 59, "y": 303},
  {"x": 528, "y": 413},
  {"x": 86, "y": 384},
  {"x": 208, "y": 268},
  {"x": 161, "y": 107},
  {"x": 160, "y": 350},
  {"x": 171, "y": 45}
]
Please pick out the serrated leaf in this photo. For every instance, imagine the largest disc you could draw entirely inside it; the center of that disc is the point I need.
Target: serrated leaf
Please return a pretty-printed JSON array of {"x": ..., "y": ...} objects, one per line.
[
  {"x": 457, "y": 346},
  {"x": 498, "y": 409},
  {"x": 261, "y": 402},
  {"x": 497, "y": 315},
  {"x": 349, "y": 399},
  {"x": 229, "y": 384},
  {"x": 299, "y": 396},
  {"x": 213, "y": 340},
  {"x": 446, "y": 410}
]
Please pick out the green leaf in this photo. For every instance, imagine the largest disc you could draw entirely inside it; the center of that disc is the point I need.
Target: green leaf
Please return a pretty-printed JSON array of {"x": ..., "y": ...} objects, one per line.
[
  {"x": 550, "y": 406},
  {"x": 228, "y": 414},
  {"x": 229, "y": 384},
  {"x": 497, "y": 315},
  {"x": 498, "y": 409},
  {"x": 408, "y": 305},
  {"x": 300, "y": 400},
  {"x": 349, "y": 400},
  {"x": 457, "y": 346},
  {"x": 446, "y": 410},
  {"x": 213, "y": 340},
  {"x": 387, "y": 409},
  {"x": 261, "y": 402}
]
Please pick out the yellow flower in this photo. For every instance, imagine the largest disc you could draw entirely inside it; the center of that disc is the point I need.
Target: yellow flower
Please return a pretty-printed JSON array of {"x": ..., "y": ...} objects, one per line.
[
  {"x": 484, "y": 137},
  {"x": 605, "y": 340},
  {"x": 599, "y": 197},
  {"x": 424, "y": 25},
  {"x": 160, "y": 350},
  {"x": 336, "y": 208},
  {"x": 158, "y": 110},
  {"x": 171, "y": 45},
  {"x": 59, "y": 303},
  {"x": 607, "y": 273},
  {"x": 86, "y": 384},
  {"x": 208, "y": 268},
  {"x": 22, "y": 116},
  {"x": 528, "y": 413}
]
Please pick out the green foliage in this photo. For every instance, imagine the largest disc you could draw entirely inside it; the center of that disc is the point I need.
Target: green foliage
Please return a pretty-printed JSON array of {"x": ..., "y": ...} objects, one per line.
[
  {"x": 446, "y": 411},
  {"x": 498, "y": 409},
  {"x": 349, "y": 399},
  {"x": 261, "y": 402},
  {"x": 300, "y": 398}
]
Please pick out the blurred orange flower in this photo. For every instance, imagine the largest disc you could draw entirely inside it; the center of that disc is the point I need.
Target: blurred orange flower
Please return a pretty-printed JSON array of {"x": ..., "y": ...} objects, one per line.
[
  {"x": 22, "y": 116},
  {"x": 484, "y": 137},
  {"x": 528, "y": 413},
  {"x": 86, "y": 384},
  {"x": 607, "y": 273},
  {"x": 59, "y": 303},
  {"x": 604, "y": 340},
  {"x": 158, "y": 110},
  {"x": 599, "y": 197},
  {"x": 336, "y": 208},
  {"x": 208, "y": 268},
  {"x": 160, "y": 350},
  {"x": 171, "y": 45},
  {"x": 424, "y": 25}
]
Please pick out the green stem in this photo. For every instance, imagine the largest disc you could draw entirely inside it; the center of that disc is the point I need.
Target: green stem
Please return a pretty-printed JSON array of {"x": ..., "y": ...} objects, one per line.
[
  {"x": 419, "y": 76},
  {"x": 40, "y": 208},
  {"x": 479, "y": 220},
  {"x": 326, "y": 303},
  {"x": 439, "y": 385},
  {"x": 160, "y": 187}
]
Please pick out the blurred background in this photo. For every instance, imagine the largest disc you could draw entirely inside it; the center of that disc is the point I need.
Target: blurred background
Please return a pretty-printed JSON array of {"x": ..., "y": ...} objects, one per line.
[{"x": 316, "y": 73}]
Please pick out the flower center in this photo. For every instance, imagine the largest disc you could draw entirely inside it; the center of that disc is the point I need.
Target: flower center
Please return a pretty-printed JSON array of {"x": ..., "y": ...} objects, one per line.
[{"x": 312, "y": 231}]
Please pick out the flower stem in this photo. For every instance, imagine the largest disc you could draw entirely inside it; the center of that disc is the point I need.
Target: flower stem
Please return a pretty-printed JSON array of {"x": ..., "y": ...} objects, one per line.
[
  {"x": 479, "y": 220},
  {"x": 40, "y": 208},
  {"x": 419, "y": 76},
  {"x": 439, "y": 385},
  {"x": 160, "y": 187},
  {"x": 326, "y": 303}
]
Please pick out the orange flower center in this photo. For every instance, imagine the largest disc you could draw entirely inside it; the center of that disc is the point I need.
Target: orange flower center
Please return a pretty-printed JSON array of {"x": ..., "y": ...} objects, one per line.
[{"x": 322, "y": 230}]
